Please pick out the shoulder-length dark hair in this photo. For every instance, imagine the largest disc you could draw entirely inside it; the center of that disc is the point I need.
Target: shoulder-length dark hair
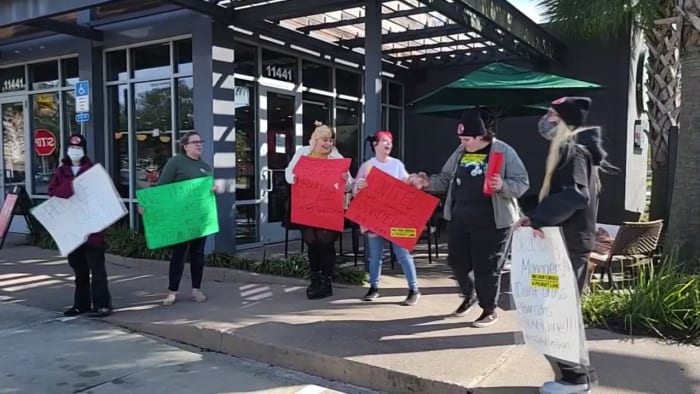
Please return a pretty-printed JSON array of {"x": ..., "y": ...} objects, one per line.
[
  {"x": 185, "y": 139},
  {"x": 488, "y": 135}
]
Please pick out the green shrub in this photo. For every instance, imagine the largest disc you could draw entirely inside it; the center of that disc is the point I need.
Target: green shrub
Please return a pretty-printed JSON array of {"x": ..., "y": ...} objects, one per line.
[
  {"x": 294, "y": 266},
  {"x": 122, "y": 241},
  {"x": 125, "y": 242},
  {"x": 664, "y": 302}
]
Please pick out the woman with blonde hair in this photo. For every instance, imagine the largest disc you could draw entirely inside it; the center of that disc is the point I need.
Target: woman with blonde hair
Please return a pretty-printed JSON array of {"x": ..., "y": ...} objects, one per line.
[
  {"x": 569, "y": 199},
  {"x": 320, "y": 242}
]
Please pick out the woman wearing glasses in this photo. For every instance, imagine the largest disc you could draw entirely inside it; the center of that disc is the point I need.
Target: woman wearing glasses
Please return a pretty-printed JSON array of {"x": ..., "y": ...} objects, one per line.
[{"x": 183, "y": 167}]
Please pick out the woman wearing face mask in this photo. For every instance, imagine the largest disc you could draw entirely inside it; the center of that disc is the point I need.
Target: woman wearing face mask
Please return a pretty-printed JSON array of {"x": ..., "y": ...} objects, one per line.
[
  {"x": 478, "y": 224},
  {"x": 186, "y": 166},
  {"x": 88, "y": 260},
  {"x": 569, "y": 199},
  {"x": 382, "y": 143},
  {"x": 320, "y": 242}
]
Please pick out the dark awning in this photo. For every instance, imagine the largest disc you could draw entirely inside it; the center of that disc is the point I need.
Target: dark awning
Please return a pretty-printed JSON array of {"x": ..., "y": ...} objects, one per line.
[{"x": 415, "y": 33}]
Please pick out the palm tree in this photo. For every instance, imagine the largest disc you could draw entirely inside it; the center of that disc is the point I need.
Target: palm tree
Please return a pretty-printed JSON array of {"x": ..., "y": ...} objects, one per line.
[
  {"x": 672, "y": 39},
  {"x": 684, "y": 220}
]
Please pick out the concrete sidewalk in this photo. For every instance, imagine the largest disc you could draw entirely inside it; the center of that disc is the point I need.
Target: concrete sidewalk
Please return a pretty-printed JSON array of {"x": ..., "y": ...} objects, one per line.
[
  {"x": 44, "y": 352},
  {"x": 379, "y": 345}
]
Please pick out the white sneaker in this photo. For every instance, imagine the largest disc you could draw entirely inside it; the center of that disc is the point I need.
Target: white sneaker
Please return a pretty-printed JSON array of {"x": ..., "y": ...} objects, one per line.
[
  {"x": 170, "y": 299},
  {"x": 198, "y": 296},
  {"x": 565, "y": 388}
]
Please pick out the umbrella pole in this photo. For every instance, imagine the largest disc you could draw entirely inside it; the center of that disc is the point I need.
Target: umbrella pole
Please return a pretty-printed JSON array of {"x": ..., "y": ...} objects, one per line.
[{"x": 495, "y": 114}]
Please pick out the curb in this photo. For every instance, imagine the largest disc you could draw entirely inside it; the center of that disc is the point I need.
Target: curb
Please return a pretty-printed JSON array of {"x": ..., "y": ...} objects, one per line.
[{"x": 317, "y": 364}]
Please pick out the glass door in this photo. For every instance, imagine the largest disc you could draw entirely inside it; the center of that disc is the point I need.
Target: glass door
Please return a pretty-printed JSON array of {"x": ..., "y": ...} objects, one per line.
[
  {"x": 14, "y": 159},
  {"x": 248, "y": 189},
  {"x": 280, "y": 134}
]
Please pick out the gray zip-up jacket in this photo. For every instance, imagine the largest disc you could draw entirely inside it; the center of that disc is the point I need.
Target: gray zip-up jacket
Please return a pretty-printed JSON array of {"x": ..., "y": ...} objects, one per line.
[{"x": 506, "y": 210}]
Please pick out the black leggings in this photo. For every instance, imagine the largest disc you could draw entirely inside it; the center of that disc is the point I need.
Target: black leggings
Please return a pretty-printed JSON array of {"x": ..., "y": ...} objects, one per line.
[
  {"x": 195, "y": 248},
  {"x": 321, "y": 245},
  {"x": 475, "y": 251}
]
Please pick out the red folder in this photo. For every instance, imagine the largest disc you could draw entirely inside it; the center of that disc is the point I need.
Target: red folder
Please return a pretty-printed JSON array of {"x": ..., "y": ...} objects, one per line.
[{"x": 493, "y": 168}]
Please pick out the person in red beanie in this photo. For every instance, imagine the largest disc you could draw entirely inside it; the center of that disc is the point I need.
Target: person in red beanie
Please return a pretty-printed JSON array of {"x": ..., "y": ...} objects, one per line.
[
  {"x": 88, "y": 261},
  {"x": 478, "y": 223}
]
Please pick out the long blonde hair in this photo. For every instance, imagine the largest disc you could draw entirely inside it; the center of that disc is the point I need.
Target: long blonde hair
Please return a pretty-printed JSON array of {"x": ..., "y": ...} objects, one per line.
[
  {"x": 562, "y": 141},
  {"x": 319, "y": 132}
]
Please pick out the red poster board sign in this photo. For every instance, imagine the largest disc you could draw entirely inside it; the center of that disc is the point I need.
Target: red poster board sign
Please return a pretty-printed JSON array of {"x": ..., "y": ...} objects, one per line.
[
  {"x": 318, "y": 193},
  {"x": 392, "y": 209},
  {"x": 6, "y": 214}
]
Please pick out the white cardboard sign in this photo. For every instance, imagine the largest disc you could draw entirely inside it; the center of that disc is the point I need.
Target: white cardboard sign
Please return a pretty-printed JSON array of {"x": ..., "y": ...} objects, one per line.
[
  {"x": 95, "y": 206},
  {"x": 546, "y": 295}
]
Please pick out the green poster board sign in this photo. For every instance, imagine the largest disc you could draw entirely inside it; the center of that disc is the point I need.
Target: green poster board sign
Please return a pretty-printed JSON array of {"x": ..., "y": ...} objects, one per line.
[{"x": 178, "y": 212}]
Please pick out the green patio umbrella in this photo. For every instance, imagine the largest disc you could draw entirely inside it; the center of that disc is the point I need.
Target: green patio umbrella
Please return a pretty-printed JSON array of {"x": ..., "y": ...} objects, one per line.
[
  {"x": 455, "y": 111},
  {"x": 500, "y": 85}
]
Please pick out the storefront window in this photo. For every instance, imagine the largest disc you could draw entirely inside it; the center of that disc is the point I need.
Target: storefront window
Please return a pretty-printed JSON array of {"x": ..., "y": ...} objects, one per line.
[
  {"x": 316, "y": 108},
  {"x": 385, "y": 92},
  {"x": 246, "y": 59},
  {"x": 316, "y": 76},
  {"x": 183, "y": 54},
  {"x": 147, "y": 111},
  {"x": 70, "y": 70},
  {"x": 396, "y": 94},
  {"x": 44, "y": 75},
  {"x": 116, "y": 66},
  {"x": 154, "y": 131},
  {"x": 396, "y": 127},
  {"x": 247, "y": 223},
  {"x": 70, "y": 126},
  {"x": 46, "y": 152},
  {"x": 13, "y": 143},
  {"x": 347, "y": 130},
  {"x": 247, "y": 185},
  {"x": 118, "y": 132},
  {"x": 246, "y": 151},
  {"x": 151, "y": 61},
  {"x": 185, "y": 99},
  {"x": 348, "y": 83},
  {"x": 12, "y": 79},
  {"x": 49, "y": 122}
]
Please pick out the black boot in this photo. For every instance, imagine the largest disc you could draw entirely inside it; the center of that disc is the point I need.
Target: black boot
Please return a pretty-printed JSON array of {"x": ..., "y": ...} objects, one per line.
[
  {"x": 326, "y": 288},
  {"x": 313, "y": 289}
]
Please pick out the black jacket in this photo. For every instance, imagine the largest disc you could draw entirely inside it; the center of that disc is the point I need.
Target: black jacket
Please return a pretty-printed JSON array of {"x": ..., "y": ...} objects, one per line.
[{"x": 573, "y": 199}]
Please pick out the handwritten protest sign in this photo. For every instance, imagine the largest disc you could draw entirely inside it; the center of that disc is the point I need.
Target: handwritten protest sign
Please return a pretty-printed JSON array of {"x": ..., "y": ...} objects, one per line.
[
  {"x": 546, "y": 295},
  {"x": 392, "y": 209},
  {"x": 318, "y": 193},
  {"x": 6, "y": 213},
  {"x": 94, "y": 206},
  {"x": 178, "y": 212}
]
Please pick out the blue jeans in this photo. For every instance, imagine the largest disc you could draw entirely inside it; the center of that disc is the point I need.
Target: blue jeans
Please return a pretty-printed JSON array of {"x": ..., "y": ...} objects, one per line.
[{"x": 376, "y": 249}]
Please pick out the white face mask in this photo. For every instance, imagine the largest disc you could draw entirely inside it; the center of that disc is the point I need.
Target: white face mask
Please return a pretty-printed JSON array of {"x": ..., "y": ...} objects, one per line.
[{"x": 76, "y": 154}]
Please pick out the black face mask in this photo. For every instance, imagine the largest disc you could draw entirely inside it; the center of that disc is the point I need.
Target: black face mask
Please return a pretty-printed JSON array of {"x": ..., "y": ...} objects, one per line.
[{"x": 546, "y": 128}]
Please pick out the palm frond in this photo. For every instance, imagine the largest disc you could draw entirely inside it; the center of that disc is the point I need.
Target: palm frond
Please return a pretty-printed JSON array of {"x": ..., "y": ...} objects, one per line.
[{"x": 599, "y": 18}]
